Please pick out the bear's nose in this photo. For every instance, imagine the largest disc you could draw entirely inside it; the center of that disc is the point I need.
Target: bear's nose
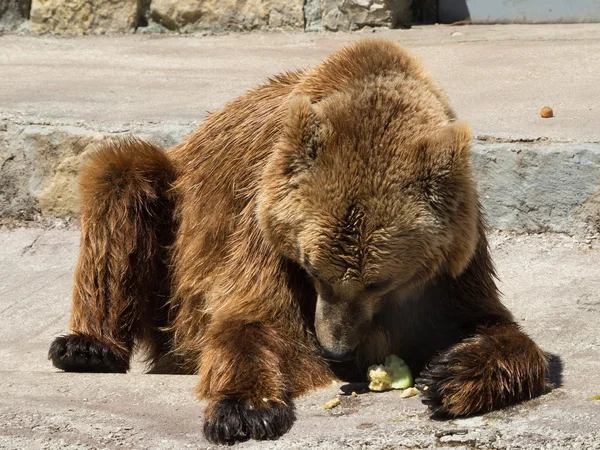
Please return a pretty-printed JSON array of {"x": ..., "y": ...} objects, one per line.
[{"x": 338, "y": 356}]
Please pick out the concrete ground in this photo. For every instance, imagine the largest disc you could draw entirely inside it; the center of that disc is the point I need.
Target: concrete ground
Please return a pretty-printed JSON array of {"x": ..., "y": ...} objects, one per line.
[
  {"x": 551, "y": 283},
  {"x": 498, "y": 77}
]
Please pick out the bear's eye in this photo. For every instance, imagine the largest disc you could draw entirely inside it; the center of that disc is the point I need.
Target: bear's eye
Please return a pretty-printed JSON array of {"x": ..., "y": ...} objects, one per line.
[{"x": 379, "y": 286}]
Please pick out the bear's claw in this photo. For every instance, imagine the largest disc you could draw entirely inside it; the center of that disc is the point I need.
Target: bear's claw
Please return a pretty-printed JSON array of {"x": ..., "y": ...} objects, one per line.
[
  {"x": 429, "y": 386},
  {"x": 231, "y": 420},
  {"x": 79, "y": 353},
  {"x": 444, "y": 384}
]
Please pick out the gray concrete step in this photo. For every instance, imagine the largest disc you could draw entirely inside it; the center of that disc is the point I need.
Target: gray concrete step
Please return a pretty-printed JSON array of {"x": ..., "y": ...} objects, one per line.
[{"x": 60, "y": 97}]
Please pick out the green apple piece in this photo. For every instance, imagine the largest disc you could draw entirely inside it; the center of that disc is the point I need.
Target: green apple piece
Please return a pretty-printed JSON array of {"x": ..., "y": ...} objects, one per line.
[
  {"x": 394, "y": 374},
  {"x": 399, "y": 372},
  {"x": 380, "y": 378}
]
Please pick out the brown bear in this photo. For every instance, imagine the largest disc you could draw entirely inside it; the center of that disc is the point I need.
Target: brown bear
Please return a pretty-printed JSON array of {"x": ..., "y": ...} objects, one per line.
[{"x": 312, "y": 226}]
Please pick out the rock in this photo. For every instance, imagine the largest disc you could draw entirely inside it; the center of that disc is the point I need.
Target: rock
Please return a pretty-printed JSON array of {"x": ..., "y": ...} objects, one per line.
[
  {"x": 15, "y": 170},
  {"x": 152, "y": 27},
  {"x": 539, "y": 187},
  {"x": 58, "y": 153},
  {"x": 313, "y": 12},
  {"x": 13, "y": 13},
  {"x": 523, "y": 187},
  {"x": 367, "y": 12},
  {"x": 235, "y": 15},
  {"x": 39, "y": 165},
  {"x": 84, "y": 16},
  {"x": 343, "y": 15},
  {"x": 333, "y": 18}
]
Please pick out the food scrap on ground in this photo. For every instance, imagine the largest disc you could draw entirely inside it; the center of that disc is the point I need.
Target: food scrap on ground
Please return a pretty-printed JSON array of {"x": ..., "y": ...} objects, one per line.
[
  {"x": 393, "y": 374},
  {"x": 331, "y": 403},
  {"x": 409, "y": 392},
  {"x": 546, "y": 112}
]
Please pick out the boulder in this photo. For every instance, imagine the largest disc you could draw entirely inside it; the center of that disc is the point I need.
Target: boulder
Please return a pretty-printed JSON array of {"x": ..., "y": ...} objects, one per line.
[
  {"x": 344, "y": 15},
  {"x": 78, "y": 17},
  {"x": 221, "y": 15},
  {"x": 57, "y": 153},
  {"x": 13, "y": 13}
]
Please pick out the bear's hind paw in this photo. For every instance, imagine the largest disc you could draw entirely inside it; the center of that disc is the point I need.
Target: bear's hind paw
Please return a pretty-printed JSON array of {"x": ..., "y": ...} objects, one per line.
[
  {"x": 79, "y": 353},
  {"x": 231, "y": 420}
]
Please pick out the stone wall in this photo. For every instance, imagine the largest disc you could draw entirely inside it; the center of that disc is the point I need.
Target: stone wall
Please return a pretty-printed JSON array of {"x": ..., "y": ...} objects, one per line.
[
  {"x": 524, "y": 187},
  {"x": 13, "y": 14},
  {"x": 76, "y": 17}
]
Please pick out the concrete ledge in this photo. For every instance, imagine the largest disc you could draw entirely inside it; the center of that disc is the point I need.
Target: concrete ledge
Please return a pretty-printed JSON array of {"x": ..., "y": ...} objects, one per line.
[
  {"x": 39, "y": 165},
  {"x": 539, "y": 186},
  {"x": 524, "y": 186}
]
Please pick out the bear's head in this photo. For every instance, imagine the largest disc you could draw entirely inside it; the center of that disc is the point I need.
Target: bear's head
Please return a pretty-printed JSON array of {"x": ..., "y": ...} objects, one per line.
[{"x": 373, "y": 196}]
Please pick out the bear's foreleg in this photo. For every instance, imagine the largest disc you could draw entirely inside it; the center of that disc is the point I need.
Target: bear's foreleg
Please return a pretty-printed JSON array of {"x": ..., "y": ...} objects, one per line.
[
  {"x": 249, "y": 373},
  {"x": 495, "y": 364},
  {"x": 242, "y": 377},
  {"x": 496, "y": 367},
  {"x": 121, "y": 284}
]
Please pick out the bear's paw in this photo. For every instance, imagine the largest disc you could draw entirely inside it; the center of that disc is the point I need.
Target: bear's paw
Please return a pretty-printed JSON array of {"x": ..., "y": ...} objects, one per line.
[
  {"x": 80, "y": 353},
  {"x": 234, "y": 420}
]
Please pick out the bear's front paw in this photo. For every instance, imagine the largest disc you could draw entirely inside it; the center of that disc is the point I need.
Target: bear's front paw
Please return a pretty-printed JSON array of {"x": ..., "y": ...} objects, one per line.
[
  {"x": 495, "y": 368},
  {"x": 79, "y": 353},
  {"x": 432, "y": 383},
  {"x": 463, "y": 380},
  {"x": 234, "y": 420}
]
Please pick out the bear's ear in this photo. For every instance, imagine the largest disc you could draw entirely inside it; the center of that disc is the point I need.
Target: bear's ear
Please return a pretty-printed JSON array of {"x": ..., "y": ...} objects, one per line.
[
  {"x": 460, "y": 205},
  {"x": 300, "y": 135},
  {"x": 450, "y": 145}
]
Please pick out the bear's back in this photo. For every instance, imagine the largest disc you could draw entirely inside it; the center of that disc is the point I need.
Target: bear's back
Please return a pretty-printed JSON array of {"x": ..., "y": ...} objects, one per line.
[
  {"x": 362, "y": 62},
  {"x": 234, "y": 142}
]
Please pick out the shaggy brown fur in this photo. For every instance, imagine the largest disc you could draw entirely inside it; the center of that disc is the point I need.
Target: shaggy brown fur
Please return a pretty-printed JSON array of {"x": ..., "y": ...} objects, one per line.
[
  {"x": 122, "y": 285},
  {"x": 329, "y": 212}
]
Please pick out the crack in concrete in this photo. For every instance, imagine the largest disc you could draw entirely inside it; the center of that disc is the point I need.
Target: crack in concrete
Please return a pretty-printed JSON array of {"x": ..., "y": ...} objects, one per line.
[
  {"x": 43, "y": 286},
  {"x": 8, "y": 158},
  {"x": 27, "y": 248}
]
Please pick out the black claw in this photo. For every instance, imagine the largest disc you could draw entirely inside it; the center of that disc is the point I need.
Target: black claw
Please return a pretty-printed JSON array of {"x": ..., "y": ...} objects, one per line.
[
  {"x": 429, "y": 384},
  {"x": 79, "y": 353},
  {"x": 231, "y": 421}
]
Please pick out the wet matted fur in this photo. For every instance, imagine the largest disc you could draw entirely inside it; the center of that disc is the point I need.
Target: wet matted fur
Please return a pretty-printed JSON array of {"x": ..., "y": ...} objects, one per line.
[{"x": 331, "y": 211}]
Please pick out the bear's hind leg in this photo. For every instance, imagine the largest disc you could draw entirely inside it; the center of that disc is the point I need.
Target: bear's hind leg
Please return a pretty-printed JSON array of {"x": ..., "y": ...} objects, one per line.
[
  {"x": 496, "y": 367},
  {"x": 121, "y": 286}
]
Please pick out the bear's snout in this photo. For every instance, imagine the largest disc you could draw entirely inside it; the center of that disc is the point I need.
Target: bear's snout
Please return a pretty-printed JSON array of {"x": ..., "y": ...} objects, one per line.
[
  {"x": 338, "y": 357},
  {"x": 340, "y": 327}
]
